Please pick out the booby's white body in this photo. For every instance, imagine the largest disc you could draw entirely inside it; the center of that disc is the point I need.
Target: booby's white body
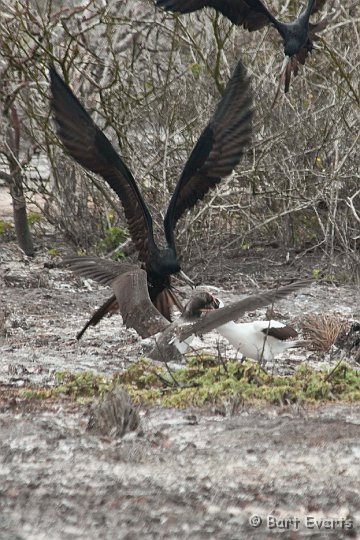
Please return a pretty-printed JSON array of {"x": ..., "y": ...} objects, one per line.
[{"x": 252, "y": 340}]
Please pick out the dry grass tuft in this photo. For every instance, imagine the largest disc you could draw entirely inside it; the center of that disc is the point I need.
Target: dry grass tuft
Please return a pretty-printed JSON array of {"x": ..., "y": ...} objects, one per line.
[{"x": 322, "y": 330}]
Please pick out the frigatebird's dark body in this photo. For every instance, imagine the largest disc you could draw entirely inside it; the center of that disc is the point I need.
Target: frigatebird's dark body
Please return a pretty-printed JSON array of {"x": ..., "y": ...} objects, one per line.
[
  {"x": 298, "y": 36},
  {"x": 214, "y": 156}
]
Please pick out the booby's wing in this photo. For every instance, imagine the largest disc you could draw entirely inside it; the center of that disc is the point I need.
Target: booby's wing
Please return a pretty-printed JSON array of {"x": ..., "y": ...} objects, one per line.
[
  {"x": 88, "y": 145},
  {"x": 216, "y": 318},
  {"x": 217, "y": 151},
  {"x": 251, "y": 14}
]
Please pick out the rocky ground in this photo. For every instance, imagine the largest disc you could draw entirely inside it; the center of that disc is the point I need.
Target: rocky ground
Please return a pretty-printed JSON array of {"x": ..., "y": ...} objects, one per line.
[{"x": 183, "y": 474}]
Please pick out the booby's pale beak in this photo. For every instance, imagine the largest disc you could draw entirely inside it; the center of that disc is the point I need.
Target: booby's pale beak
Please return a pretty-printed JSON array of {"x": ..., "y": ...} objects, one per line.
[{"x": 187, "y": 279}]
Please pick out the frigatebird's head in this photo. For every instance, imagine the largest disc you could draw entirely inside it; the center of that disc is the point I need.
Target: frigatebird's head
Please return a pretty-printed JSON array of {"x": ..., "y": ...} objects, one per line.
[
  {"x": 163, "y": 263},
  {"x": 291, "y": 47},
  {"x": 295, "y": 36},
  {"x": 200, "y": 303}
]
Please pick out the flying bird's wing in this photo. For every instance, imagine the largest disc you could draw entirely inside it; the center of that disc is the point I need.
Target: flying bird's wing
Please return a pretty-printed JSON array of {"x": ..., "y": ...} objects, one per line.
[
  {"x": 217, "y": 151},
  {"x": 251, "y": 14},
  {"x": 103, "y": 271},
  {"x": 216, "y": 318},
  {"x": 86, "y": 143},
  {"x": 318, "y": 5},
  {"x": 136, "y": 308},
  {"x": 109, "y": 307},
  {"x": 108, "y": 272}
]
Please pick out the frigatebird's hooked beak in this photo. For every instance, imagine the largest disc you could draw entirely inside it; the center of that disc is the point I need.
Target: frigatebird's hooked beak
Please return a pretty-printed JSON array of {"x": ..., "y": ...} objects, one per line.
[
  {"x": 186, "y": 279},
  {"x": 285, "y": 63}
]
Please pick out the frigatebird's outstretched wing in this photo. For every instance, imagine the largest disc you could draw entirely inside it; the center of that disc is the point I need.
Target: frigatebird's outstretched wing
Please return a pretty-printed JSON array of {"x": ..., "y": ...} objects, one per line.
[
  {"x": 131, "y": 295},
  {"x": 136, "y": 308},
  {"x": 217, "y": 151},
  {"x": 240, "y": 12},
  {"x": 86, "y": 143},
  {"x": 104, "y": 271},
  {"x": 251, "y": 14}
]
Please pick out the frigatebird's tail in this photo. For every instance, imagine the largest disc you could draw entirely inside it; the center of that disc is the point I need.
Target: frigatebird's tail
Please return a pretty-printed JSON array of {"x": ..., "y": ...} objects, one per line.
[
  {"x": 165, "y": 301},
  {"x": 109, "y": 307}
]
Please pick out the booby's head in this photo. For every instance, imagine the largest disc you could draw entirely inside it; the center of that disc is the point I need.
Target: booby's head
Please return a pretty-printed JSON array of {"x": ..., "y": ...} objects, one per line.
[{"x": 200, "y": 303}]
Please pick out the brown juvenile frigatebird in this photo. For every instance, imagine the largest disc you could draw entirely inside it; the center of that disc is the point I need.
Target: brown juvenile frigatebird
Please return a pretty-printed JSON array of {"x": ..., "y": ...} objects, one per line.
[
  {"x": 298, "y": 36},
  {"x": 216, "y": 153}
]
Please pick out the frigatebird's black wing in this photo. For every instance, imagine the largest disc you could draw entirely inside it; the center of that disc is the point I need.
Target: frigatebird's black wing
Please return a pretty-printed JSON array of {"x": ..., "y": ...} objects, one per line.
[
  {"x": 217, "y": 151},
  {"x": 88, "y": 145},
  {"x": 104, "y": 271},
  {"x": 251, "y": 14}
]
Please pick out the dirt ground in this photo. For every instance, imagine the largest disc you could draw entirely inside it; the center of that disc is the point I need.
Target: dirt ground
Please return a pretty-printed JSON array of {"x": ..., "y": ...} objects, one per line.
[{"x": 186, "y": 474}]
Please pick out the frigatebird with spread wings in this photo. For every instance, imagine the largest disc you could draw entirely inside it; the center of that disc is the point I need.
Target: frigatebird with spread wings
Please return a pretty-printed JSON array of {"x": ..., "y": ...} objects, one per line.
[
  {"x": 298, "y": 36},
  {"x": 214, "y": 156}
]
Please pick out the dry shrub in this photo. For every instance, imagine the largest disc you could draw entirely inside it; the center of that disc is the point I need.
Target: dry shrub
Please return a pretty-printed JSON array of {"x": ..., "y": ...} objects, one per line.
[{"x": 322, "y": 330}]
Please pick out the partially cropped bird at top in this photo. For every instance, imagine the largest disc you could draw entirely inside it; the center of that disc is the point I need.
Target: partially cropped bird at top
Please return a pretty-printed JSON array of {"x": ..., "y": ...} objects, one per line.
[
  {"x": 215, "y": 155},
  {"x": 260, "y": 340},
  {"x": 298, "y": 36}
]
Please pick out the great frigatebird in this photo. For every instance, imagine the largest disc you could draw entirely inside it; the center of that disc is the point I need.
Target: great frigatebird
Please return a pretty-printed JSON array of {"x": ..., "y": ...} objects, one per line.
[
  {"x": 298, "y": 36},
  {"x": 216, "y": 153}
]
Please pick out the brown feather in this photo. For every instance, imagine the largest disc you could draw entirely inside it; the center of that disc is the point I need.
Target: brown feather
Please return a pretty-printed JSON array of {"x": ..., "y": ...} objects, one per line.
[
  {"x": 110, "y": 306},
  {"x": 218, "y": 150},
  {"x": 282, "y": 334},
  {"x": 86, "y": 143}
]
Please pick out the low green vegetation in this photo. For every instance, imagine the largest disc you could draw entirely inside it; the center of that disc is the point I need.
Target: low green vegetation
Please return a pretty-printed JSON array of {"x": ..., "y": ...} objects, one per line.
[
  {"x": 205, "y": 381},
  {"x": 34, "y": 218},
  {"x": 113, "y": 237},
  {"x": 5, "y": 228}
]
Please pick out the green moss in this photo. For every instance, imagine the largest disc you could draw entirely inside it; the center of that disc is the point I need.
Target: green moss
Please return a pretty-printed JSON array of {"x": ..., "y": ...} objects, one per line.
[
  {"x": 205, "y": 381},
  {"x": 39, "y": 393},
  {"x": 54, "y": 252},
  {"x": 195, "y": 69},
  {"x": 85, "y": 384}
]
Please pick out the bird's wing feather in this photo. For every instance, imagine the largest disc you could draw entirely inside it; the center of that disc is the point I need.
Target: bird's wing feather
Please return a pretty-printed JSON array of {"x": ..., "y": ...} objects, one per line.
[
  {"x": 281, "y": 332},
  {"x": 136, "y": 308},
  {"x": 318, "y": 5},
  {"x": 216, "y": 318},
  {"x": 103, "y": 271},
  {"x": 251, "y": 14},
  {"x": 86, "y": 143},
  {"x": 217, "y": 151}
]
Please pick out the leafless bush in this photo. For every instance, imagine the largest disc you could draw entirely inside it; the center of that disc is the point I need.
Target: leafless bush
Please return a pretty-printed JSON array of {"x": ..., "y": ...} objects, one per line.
[{"x": 152, "y": 80}]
